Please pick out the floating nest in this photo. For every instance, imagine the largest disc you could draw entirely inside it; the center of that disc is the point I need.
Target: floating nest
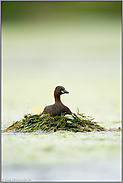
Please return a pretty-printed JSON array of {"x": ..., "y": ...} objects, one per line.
[{"x": 46, "y": 123}]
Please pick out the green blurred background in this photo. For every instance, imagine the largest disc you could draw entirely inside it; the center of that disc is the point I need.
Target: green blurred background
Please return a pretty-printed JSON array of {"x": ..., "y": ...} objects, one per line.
[
  {"x": 74, "y": 44},
  {"x": 15, "y": 11}
]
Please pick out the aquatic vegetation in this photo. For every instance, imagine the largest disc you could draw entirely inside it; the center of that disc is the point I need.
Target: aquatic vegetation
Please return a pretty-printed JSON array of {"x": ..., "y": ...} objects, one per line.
[{"x": 46, "y": 123}]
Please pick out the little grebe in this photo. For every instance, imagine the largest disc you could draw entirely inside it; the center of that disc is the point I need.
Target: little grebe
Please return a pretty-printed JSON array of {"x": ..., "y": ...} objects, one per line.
[{"x": 58, "y": 108}]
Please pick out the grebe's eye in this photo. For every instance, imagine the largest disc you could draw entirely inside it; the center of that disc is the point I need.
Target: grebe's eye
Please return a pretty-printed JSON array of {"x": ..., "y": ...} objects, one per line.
[{"x": 62, "y": 91}]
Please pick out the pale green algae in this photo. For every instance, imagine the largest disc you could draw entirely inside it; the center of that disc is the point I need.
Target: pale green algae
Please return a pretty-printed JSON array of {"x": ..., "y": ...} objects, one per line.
[{"x": 60, "y": 147}]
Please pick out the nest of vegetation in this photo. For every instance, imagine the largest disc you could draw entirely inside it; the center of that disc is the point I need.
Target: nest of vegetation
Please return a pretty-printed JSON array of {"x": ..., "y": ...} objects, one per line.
[{"x": 46, "y": 123}]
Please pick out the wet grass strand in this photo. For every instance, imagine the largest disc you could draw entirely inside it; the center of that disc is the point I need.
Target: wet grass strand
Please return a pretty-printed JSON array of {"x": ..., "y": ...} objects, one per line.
[{"x": 46, "y": 123}]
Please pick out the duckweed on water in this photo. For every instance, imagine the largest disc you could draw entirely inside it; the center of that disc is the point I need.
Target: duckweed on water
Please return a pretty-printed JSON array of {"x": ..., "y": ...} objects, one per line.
[{"x": 46, "y": 123}]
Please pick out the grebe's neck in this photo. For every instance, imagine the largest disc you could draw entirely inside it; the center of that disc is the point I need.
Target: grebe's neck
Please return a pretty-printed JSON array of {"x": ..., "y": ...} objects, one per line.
[{"x": 57, "y": 95}]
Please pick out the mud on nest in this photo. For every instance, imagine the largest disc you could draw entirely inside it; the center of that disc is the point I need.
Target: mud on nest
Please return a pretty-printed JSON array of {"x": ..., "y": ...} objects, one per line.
[{"x": 46, "y": 123}]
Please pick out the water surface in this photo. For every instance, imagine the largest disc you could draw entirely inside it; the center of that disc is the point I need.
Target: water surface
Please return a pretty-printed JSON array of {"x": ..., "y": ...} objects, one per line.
[{"x": 83, "y": 54}]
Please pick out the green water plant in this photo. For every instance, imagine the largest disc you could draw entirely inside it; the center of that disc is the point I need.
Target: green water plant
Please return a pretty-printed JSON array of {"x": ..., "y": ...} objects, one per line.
[{"x": 46, "y": 123}]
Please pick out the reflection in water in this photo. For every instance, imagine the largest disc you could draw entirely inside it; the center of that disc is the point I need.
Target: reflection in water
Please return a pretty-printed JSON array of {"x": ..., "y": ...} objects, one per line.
[{"x": 81, "y": 172}]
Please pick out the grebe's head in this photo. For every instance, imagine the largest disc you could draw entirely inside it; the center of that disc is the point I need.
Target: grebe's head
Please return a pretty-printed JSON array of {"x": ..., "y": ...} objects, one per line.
[{"x": 59, "y": 90}]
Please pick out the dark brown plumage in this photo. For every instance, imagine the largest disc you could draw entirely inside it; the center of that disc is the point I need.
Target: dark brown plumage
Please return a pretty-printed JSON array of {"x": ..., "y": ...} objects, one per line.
[{"x": 58, "y": 108}]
